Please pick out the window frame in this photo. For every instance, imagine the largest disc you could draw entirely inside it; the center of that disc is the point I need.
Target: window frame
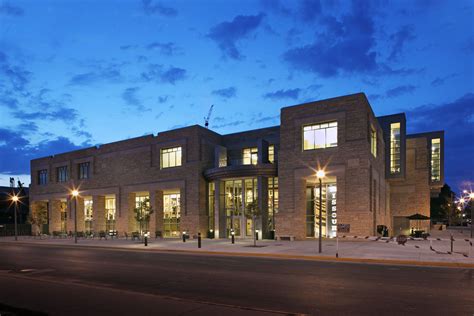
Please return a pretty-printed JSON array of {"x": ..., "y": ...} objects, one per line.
[
  {"x": 176, "y": 151},
  {"x": 42, "y": 173},
  {"x": 253, "y": 153},
  {"x": 333, "y": 124},
  {"x": 81, "y": 171},
  {"x": 373, "y": 141},
  {"x": 395, "y": 159},
  {"x": 59, "y": 174}
]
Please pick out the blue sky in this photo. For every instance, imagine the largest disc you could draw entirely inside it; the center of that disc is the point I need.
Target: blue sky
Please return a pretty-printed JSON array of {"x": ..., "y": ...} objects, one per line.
[{"x": 80, "y": 73}]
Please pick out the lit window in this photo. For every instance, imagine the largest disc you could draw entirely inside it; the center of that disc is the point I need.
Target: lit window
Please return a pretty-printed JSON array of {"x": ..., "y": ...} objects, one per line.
[
  {"x": 171, "y": 214},
  {"x": 171, "y": 157},
  {"x": 110, "y": 213},
  {"x": 84, "y": 170},
  {"x": 320, "y": 136},
  {"x": 373, "y": 141},
  {"x": 271, "y": 153},
  {"x": 395, "y": 148},
  {"x": 62, "y": 174},
  {"x": 436, "y": 159},
  {"x": 88, "y": 209},
  {"x": 42, "y": 176},
  {"x": 250, "y": 156}
]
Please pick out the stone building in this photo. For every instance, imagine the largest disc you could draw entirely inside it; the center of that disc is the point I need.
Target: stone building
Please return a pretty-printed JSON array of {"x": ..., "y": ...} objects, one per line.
[{"x": 196, "y": 180}]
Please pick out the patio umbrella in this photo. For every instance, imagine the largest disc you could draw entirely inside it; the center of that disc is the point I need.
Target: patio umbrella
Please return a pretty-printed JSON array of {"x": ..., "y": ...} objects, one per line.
[{"x": 418, "y": 218}]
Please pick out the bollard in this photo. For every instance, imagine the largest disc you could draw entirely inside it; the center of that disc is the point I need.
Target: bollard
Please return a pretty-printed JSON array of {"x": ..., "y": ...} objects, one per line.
[
  {"x": 146, "y": 240},
  {"x": 232, "y": 237},
  {"x": 337, "y": 246},
  {"x": 184, "y": 236},
  {"x": 199, "y": 240},
  {"x": 256, "y": 235}
]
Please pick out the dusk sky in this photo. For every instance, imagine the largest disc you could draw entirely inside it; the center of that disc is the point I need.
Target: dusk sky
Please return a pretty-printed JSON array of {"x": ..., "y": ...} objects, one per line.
[{"x": 75, "y": 74}]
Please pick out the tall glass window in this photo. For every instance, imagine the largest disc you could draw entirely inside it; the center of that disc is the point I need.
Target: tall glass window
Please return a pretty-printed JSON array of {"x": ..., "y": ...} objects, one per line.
[
  {"x": 84, "y": 170},
  {"x": 211, "y": 204},
  {"x": 329, "y": 211},
  {"x": 88, "y": 209},
  {"x": 110, "y": 213},
  {"x": 62, "y": 174},
  {"x": 395, "y": 148},
  {"x": 272, "y": 202},
  {"x": 250, "y": 196},
  {"x": 373, "y": 141},
  {"x": 250, "y": 156},
  {"x": 142, "y": 200},
  {"x": 171, "y": 215},
  {"x": 233, "y": 205},
  {"x": 171, "y": 157},
  {"x": 271, "y": 153},
  {"x": 320, "y": 136},
  {"x": 42, "y": 176},
  {"x": 436, "y": 159}
]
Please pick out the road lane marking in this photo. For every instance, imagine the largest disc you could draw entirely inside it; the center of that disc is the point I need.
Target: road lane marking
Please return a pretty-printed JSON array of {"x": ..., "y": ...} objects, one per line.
[{"x": 130, "y": 292}]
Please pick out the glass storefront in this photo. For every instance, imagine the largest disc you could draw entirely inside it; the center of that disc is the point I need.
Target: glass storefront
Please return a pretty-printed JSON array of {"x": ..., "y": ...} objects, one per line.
[
  {"x": 110, "y": 213},
  {"x": 142, "y": 203},
  {"x": 88, "y": 214},
  {"x": 328, "y": 211},
  {"x": 171, "y": 214},
  {"x": 272, "y": 202},
  {"x": 64, "y": 217},
  {"x": 233, "y": 206}
]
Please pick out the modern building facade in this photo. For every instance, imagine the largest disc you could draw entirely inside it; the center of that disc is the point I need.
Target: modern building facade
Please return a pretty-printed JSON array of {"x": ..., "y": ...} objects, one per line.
[{"x": 196, "y": 180}]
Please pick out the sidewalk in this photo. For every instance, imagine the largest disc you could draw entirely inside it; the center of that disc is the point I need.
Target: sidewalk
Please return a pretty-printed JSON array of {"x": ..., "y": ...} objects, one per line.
[{"x": 416, "y": 252}]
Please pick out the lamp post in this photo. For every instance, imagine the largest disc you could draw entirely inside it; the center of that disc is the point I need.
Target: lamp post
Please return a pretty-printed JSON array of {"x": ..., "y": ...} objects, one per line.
[
  {"x": 75, "y": 194},
  {"x": 320, "y": 175},
  {"x": 15, "y": 200},
  {"x": 471, "y": 198}
]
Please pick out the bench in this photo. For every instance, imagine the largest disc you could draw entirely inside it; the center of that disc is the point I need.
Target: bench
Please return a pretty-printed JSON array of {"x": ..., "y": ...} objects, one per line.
[{"x": 285, "y": 237}]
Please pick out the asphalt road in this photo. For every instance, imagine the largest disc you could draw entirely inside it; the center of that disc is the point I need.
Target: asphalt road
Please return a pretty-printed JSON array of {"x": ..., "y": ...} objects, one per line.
[{"x": 101, "y": 281}]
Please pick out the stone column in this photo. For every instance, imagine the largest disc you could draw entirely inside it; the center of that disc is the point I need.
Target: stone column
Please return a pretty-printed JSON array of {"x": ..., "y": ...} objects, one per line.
[
  {"x": 70, "y": 214},
  {"x": 54, "y": 215},
  {"x": 262, "y": 189},
  {"x": 217, "y": 219},
  {"x": 121, "y": 215},
  {"x": 156, "y": 220},
  {"x": 130, "y": 212},
  {"x": 98, "y": 204},
  {"x": 81, "y": 227}
]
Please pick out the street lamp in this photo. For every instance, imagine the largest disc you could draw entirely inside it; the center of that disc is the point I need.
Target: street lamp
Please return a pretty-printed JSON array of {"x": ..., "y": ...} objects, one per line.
[
  {"x": 15, "y": 199},
  {"x": 75, "y": 194},
  {"x": 320, "y": 175}
]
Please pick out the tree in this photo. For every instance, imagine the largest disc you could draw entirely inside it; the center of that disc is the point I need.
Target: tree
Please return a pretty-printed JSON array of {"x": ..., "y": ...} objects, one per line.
[
  {"x": 441, "y": 207},
  {"x": 143, "y": 213},
  {"x": 38, "y": 217},
  {"x": 252, "y": 211}
]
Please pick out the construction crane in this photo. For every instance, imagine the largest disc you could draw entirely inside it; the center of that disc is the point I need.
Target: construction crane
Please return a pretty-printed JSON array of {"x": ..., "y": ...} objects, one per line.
[{"x": 206, "y": 119}]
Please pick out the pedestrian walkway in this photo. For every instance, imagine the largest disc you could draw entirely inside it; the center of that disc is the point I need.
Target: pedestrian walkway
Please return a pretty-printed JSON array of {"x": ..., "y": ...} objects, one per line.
[{"x": 437, "y": 249}]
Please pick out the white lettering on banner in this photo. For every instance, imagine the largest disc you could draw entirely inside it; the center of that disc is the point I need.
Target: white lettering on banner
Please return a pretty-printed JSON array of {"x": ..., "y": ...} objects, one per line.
[{"x": 332, "y": 189}]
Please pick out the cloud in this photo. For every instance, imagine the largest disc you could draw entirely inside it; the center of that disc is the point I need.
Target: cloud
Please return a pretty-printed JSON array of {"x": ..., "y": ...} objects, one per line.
[
  {"x": 158, "y": 9},
  {"x": 131, "y": 98},
  {"x": 349, "y": 48},
  {"x": 283, "y": 94},
  {"x": 17, "y": 151},
  {"x": 8, "y": 9},
  {"x": 267, "y": 119},
  {"x": 61, "y": 114},
  {"x": 127, "y": 47},
  {"x": 110, "y": 73},
  {"x": 274, "y": 6},
  {"x": 163, "y": 98},
  {"x": 167, "y": 49},
  {"x": 227, "y": 93},
  {"x": 400, "y": 90},
  {"x": 441, "y": 80},
  {"x": 400, "y": 38},
  {"x": 157, "y": 73},
  {"x": 456, "y": 118},
  {"x": 17, "y": 77},
  {"x": 228, "y": 34},
  {"x": 309, "y": 10},
  {"x": 233, "y": 123}
]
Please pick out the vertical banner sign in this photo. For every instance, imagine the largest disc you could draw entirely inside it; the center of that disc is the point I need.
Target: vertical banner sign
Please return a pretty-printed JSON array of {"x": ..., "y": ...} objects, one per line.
[{"x": 332, "y": 190}]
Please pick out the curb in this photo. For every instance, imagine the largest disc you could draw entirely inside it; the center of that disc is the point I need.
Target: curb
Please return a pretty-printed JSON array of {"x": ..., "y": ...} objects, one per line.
[{"x": 266, "y": 255}]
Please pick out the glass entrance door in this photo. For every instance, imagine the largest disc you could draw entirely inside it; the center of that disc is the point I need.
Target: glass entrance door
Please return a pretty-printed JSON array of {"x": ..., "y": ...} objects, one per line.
[{"x": 233, "y": 206}]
